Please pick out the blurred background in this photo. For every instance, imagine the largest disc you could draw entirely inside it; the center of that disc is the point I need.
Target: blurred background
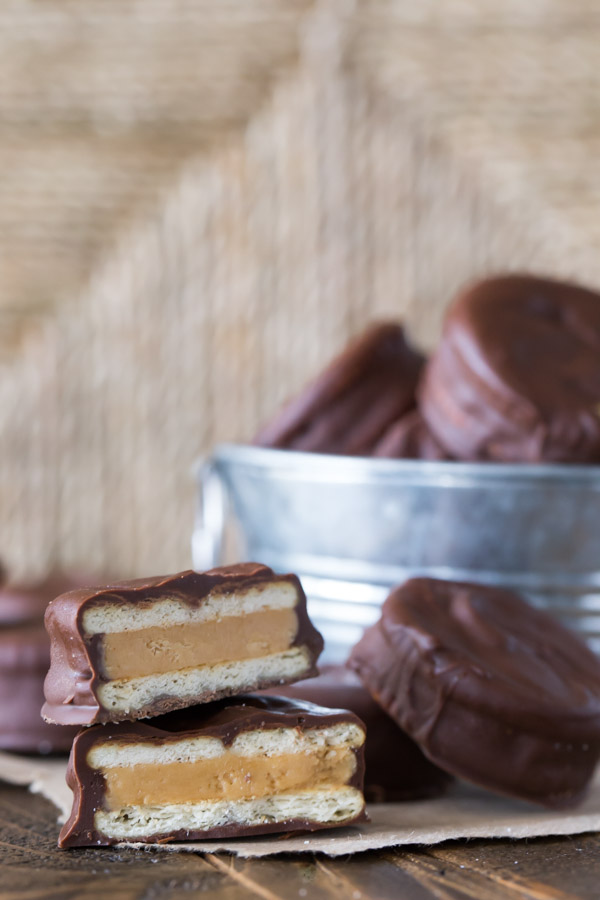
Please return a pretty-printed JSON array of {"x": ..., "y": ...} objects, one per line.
[{"x": 200, "y": 202}]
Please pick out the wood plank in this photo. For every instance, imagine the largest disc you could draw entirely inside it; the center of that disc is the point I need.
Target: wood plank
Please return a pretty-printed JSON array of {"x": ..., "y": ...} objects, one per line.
[
  {"x": 555, "y": 867},
  {"x": 540, "y": 869},
  {"x": 34, "y": 869},
  {"x": 280, "y": 877},
  {"x": 369, "y": 876},
  {"x": 362, "y": 877}
]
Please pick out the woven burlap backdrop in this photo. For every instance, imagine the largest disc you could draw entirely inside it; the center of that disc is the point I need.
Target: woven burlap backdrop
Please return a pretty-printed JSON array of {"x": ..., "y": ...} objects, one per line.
[{"x": 202, "y": 201}]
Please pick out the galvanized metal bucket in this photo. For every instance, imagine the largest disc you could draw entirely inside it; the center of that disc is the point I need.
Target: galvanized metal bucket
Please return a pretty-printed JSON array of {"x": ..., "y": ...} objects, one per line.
[{"x": 352, "y": 528}]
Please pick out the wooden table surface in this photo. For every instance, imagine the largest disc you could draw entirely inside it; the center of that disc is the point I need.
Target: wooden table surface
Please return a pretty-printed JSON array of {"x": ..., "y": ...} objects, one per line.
[{"x": 32, "y": 868}]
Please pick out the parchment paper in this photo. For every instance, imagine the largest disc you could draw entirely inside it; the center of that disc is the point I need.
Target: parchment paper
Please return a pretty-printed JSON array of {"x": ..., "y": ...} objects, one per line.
[{"x": 465, "y": 812}]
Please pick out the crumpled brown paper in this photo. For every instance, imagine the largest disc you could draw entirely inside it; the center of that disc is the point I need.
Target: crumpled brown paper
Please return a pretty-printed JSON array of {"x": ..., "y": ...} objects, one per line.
[{"x": 465, "y": 812}]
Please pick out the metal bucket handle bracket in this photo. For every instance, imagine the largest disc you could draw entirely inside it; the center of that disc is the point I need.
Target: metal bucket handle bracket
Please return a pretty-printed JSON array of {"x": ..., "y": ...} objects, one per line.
[{"x": 211, "y": 511}]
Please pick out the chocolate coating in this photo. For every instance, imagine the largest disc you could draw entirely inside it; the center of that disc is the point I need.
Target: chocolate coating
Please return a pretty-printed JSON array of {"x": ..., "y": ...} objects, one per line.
[
  {"x": 350, "y": 405},
  {"x": 410, "y": 438},
  {"x": 516, "y": 377},
  {"x": 224, "y": 719},
  {"x": 76, "y": 671},
  {"x": 490, "y": 688},
  {"x": 395, "y": 767},
  {"x": 24, "y": 661}
]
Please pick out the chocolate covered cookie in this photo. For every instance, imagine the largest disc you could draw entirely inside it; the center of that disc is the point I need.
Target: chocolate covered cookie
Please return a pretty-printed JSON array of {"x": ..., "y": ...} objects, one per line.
[
  {"x": 249, "y": 765},
  {"x": 516, "y": 377},
  {"x": 395, "y": 767},
  {"x": 410, "y": 438},
  {"x": 491, "y": 689},
  {"x": 351, "y": 404},
  {"x": 145, "y": 647},
  {"x": 24, "y": 661}
]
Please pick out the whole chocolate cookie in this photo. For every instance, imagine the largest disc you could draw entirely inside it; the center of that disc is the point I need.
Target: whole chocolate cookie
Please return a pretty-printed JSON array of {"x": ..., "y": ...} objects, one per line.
[
  {"x": 410, "y": 438},
  {"x": 27, "y": 602},
  {"x": 491, "y": 689},
  {"x": 24, "y": 662},
  {"x": 350, "y": 405},
  {"x": 516, "y": 377},
  {"x": 395, "y": 767}
]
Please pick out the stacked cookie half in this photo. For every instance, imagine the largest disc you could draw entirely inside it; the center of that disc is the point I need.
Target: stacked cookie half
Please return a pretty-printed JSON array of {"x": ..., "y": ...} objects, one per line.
[{"x": 159, "y": 668}]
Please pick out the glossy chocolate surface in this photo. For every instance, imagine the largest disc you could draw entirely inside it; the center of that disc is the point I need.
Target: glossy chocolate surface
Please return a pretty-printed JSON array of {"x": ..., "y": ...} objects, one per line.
[
  {"x": 224, "y": 719},
  {"x": 75, "y": 670},
  {"x": 350, "y": 405},
  {"x": 516, "y": 377},
  {"x": 490, "y": 688},
  {"x": 395, "y": 767}
]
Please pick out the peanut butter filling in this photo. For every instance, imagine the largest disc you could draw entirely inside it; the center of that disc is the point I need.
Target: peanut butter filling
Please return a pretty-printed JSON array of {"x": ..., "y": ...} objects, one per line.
[
  {"x": 155, "y": 651},
  {"x": 228, "y": 777}
]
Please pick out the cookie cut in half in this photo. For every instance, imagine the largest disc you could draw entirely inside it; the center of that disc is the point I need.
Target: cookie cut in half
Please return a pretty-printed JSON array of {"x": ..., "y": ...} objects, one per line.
[
  {"x": 145, "y": 647},
  {"x": 247, "y": 765}
]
